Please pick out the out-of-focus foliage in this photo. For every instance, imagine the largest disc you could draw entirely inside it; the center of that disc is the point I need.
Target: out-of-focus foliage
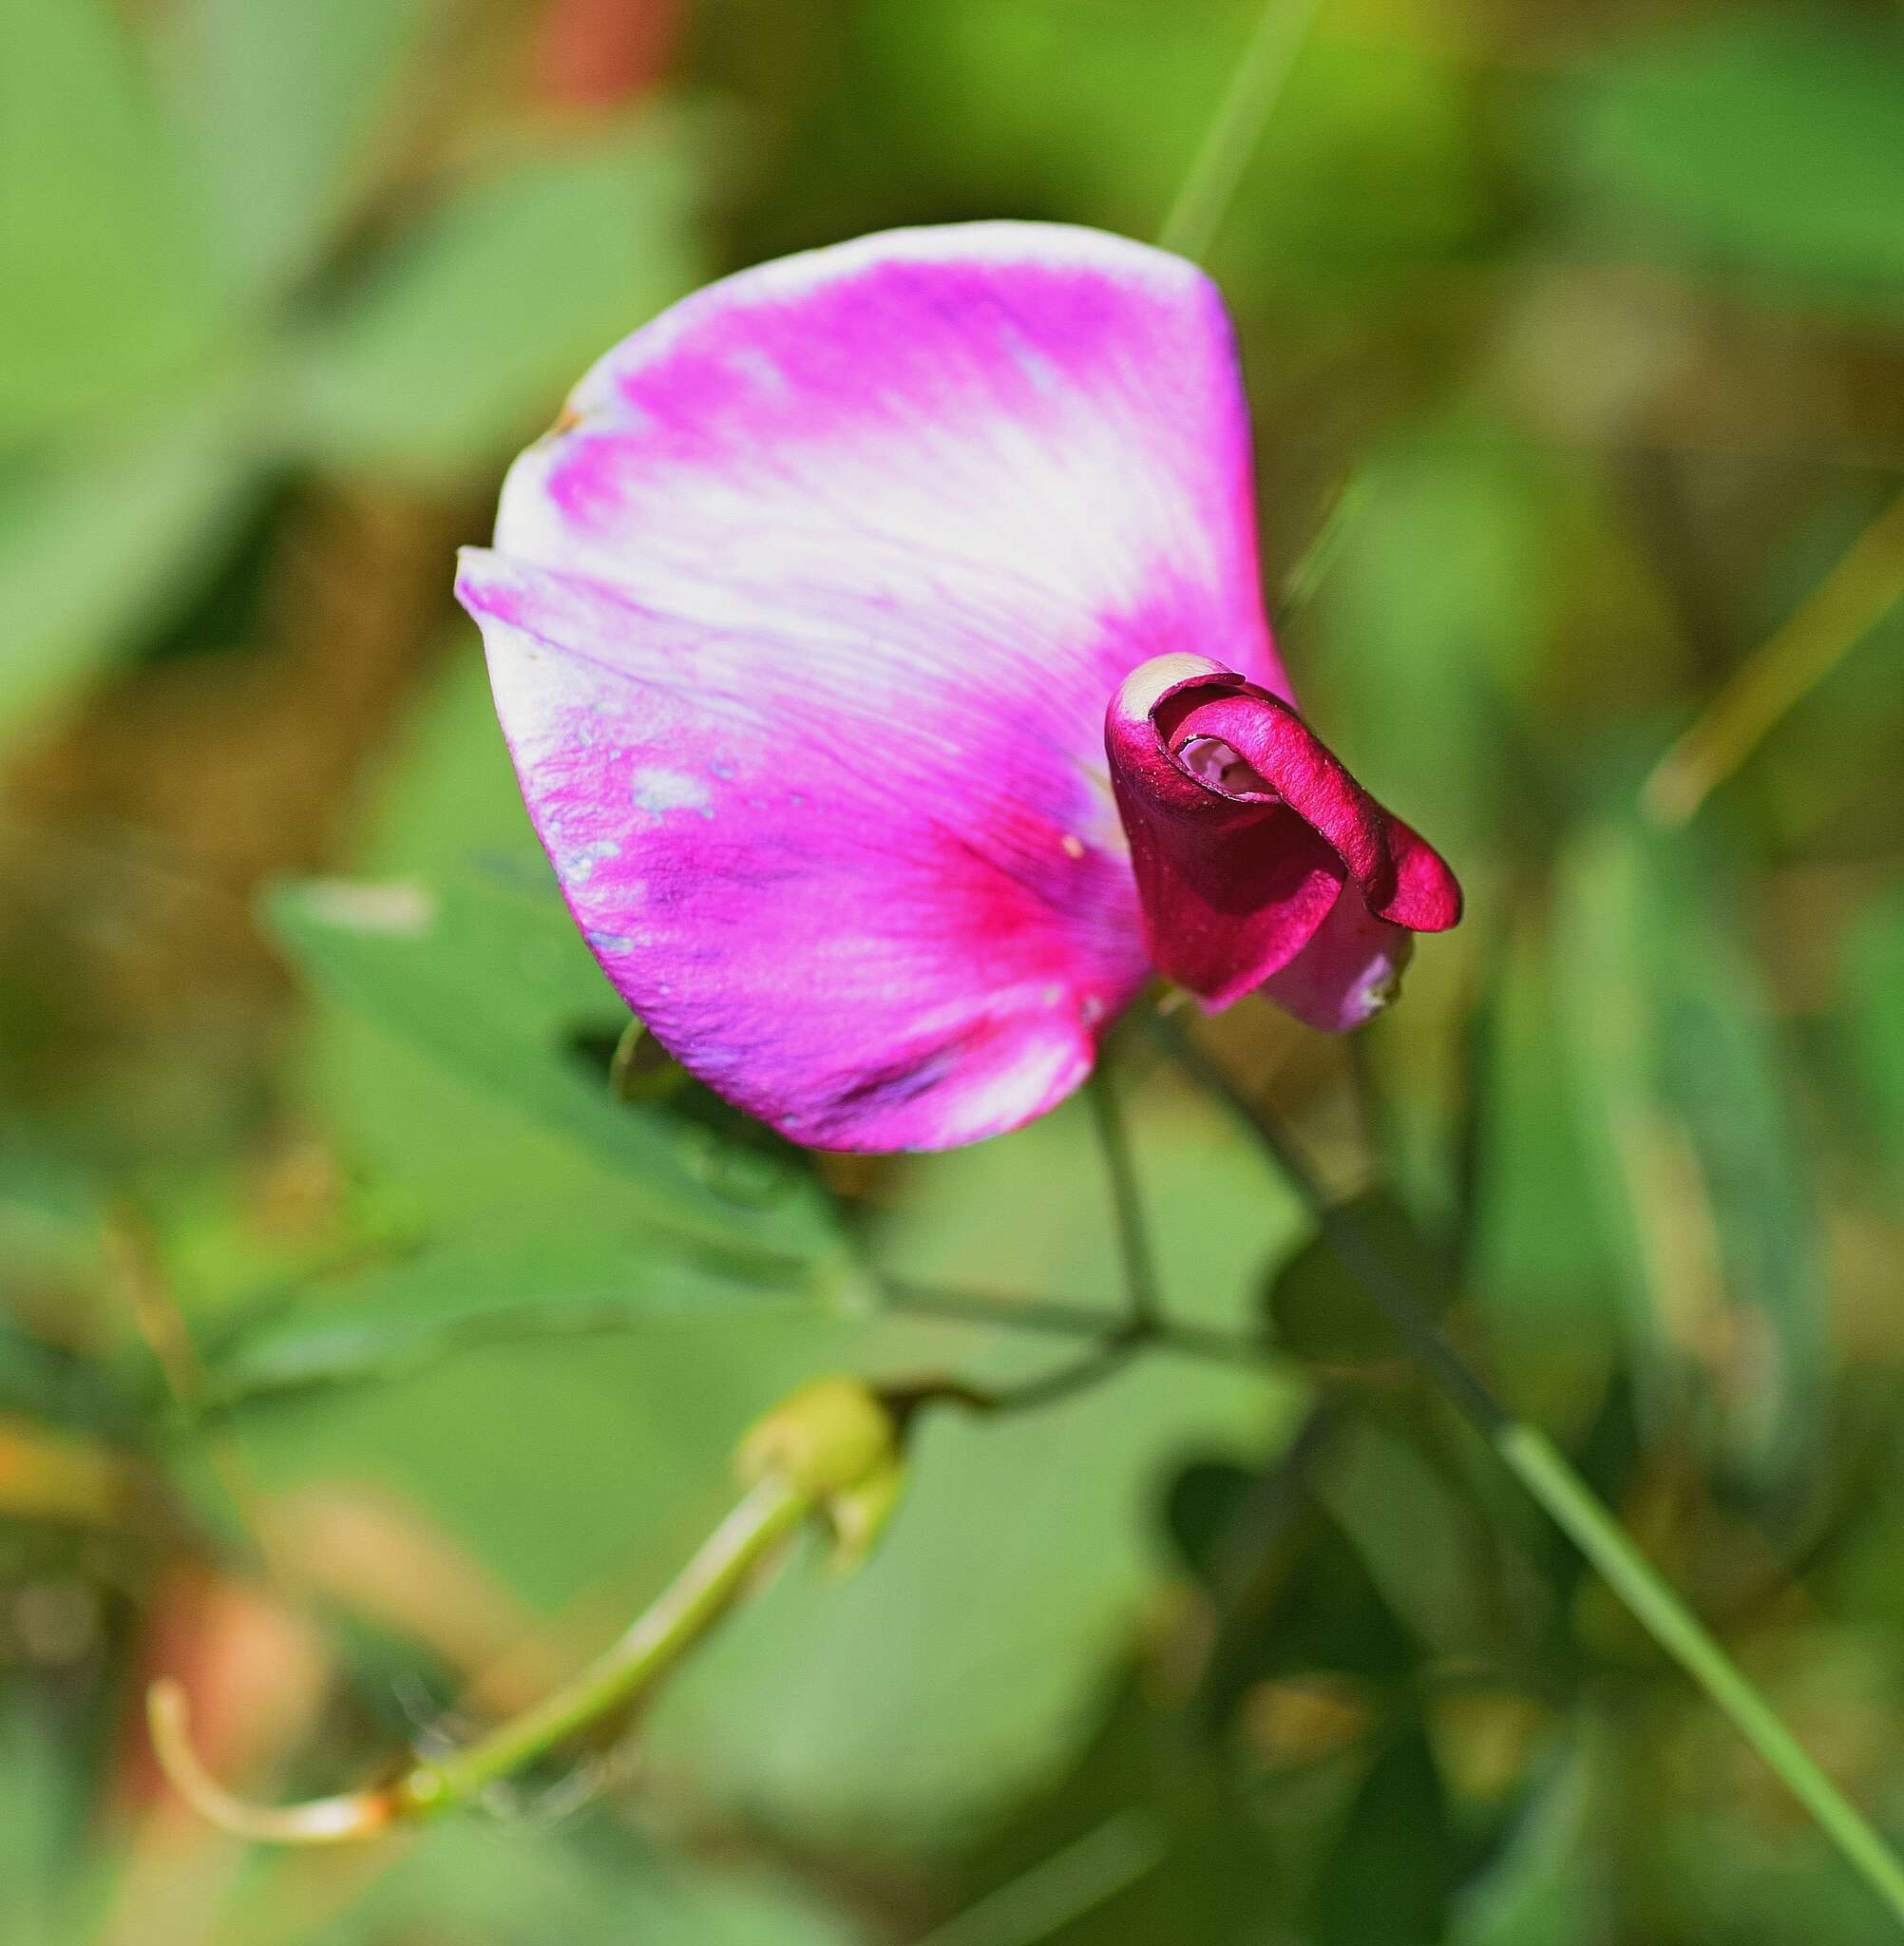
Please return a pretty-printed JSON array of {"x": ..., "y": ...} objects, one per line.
[{"x": 365, "y": 1361}]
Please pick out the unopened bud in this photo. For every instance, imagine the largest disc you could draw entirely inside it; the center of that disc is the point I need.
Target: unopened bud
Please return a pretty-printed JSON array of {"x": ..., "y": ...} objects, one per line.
[{"x": 839, "y": 1444}]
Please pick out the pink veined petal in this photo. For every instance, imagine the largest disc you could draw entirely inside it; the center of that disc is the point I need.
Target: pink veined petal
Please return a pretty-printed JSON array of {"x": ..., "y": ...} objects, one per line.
[
  {"x": 1247, "y": 835},
  {"x": 801, "y": 629}
]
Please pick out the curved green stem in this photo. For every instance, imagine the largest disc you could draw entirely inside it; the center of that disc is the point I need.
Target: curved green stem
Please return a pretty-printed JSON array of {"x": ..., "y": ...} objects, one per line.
[
  {"x": 698, "y": 1596},
  {"x": 1143, "y": 1304},
  {"x": 1056, "y": 1318},
  {"x": 1216, "y": 171}
]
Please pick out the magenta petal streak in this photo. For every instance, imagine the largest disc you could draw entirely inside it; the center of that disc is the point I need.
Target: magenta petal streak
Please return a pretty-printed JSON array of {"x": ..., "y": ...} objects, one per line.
[{"x": 1258, "y": 858}]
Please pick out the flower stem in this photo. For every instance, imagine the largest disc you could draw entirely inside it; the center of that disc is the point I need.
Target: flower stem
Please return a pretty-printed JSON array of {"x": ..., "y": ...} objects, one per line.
[
  {"x": 1573, "y": 1506},
  {"x": 1567, "y": 1500},
  {"x": 1114, "y": 1342},
  {"x": 1840, "y": 613},
  {"x": 697, "y": 1598},
  {"x": 1143, "y": 1305},
  {"x": 1056, "y": 1318},
  {"x": 1216, "y": 172}
]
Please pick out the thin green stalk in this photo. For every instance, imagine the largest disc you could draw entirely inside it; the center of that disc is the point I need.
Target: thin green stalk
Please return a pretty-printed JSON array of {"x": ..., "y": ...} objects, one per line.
[
  {"x": 1216, "y": 171},
  {"x": 1056, "y": 1318},
  {"x": 1078, "y": 1880},
  {"x": 1143, "y": 1307},
  {"x": 1411, "y": 1323},
  {"x": 1578, "y": 1513},
  {"x": 1115, "y": 1342},
  {"x": 697, "y": 1598},
  {"x": 1083, "y": 1374},
  {"x": 1840, "y": 613},
  {"x": 1569, "y": 1501}
]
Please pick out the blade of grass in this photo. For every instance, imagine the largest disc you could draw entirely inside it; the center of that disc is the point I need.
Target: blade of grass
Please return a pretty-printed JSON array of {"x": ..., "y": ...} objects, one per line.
[
  {"x": 1838, "y": 614},
  {"x": 1216, "y": 171},
  {"x": 1073, "y": 1881}
]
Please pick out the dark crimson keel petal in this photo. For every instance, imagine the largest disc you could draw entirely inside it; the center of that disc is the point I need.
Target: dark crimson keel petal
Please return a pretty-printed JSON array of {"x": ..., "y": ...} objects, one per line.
[{"x": 1258, "y": 857}]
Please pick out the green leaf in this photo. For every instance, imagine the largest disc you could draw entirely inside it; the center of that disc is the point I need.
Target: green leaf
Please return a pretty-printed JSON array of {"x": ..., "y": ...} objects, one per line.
[
  {"x": 1874, "y": 982},
  {"x": 101, "y": 539},
  {"x": 1440, "y": 592},
  {"x": 1547, "y": 1887},
  {"x": 547, "y": 1883},
  {"x": 1387, "y": 1876},
  {"x": 488, "y": 974},
  {"x": 466, "y": 336},
  {"x": 282, "y": 108},
  {"x": 1539, "y": 1266},
  {"x": 42, "y": 1816},
  {"x": 1201, "y": 1511},
  {"x": 1320, "y": 1313},
  {"x": 103, "y": 279},
  {"x": 1294, "y": 1595},
  {"x": 561, "y": 1270},
  {"x": 1695, "y": 1161},
  {"x": 1771, "y": 142},
  {"x": 1429, "y": 1546}
]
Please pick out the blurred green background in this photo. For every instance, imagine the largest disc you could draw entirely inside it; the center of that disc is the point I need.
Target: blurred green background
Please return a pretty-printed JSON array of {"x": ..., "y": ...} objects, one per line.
[{"x": 363, "y": 1364}]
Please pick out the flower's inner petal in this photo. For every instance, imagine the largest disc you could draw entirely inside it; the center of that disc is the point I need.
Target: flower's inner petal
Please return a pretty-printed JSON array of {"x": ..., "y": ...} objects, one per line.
[
  {"x": 1348, "y": 972},
  {"x": 1259, "y": 859},
  {"x": 1211, "y": 761}
]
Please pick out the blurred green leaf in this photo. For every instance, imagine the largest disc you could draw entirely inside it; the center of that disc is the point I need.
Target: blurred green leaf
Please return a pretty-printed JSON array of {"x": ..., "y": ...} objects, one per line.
[
  {"x": 104, "y": 280},
  {"x": 42, "y": 1812},
  {"x": 1874, "y": 982},
  {"x": 1204, "y": 1503},
  {"x": 1294, "y": 1594},
  {"x": 1321, "y": 1313},
  {"x": 1442, "y": 1569},
  {"x": 561, "y": 1270},
  {"x": 100, "y": 540},
  {"x": 1545, "y": 1886},
  {"x": 1432, "y": 613},
  {"x": 1540, "y": 1264},
  {"x": 1148, "y": 1837},
  {"x": 1696, "y": 1164},
  {"x": 488, "y": 974},
  {"x": 465, "y": 336},
  {"x": 1365, "y": 162},
  {"x": 547, "y": 1885},
  {"x": 1388, "y": 1874},
  {"x": 1765, "y": 142},
  {"x": 280, "y": 110}
]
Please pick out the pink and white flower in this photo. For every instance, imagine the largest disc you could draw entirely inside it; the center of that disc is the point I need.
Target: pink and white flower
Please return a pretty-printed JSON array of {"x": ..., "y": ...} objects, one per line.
[{"x": 879, "y": 642}]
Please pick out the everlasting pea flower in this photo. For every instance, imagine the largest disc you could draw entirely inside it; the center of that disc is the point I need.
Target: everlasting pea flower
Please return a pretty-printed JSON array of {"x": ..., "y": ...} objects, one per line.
[{"x": 879, "y": 642}]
